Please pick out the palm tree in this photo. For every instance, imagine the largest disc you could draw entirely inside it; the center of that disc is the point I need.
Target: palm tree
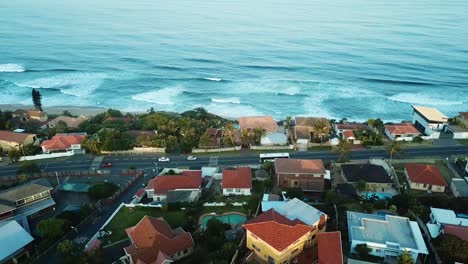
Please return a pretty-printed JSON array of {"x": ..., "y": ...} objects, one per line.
[
  {"x": 246, "y": 137},
  {"x": 257, "y": 134},
  {"x": 321, "y": 127},
  {"x": 230, "y": 134},
  {"x": 204, "y": 140},
  {"x": 344, "y": 150},
  {"x": 394, "y": 148},
  {"x": 289, "y": 124}
]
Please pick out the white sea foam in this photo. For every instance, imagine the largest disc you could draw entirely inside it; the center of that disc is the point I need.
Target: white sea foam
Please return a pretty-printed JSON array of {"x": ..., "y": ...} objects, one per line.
[
  {"x": 213, "y": 79},
  {"x": 163, "y": 96},
  {"x": 422, "y": 99},
  {"x": 11, "y": 67},
  {"x": 76, "y": 84},
  {"x": 230, "y": 110},
  {"x": 233, "y": 100},
  {"x": 292, "y": 90}
]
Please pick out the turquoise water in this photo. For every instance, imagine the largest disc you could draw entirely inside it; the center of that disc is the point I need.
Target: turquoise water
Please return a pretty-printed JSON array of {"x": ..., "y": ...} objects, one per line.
[
  {"x": 379, "y": 195},
  {"x": 233, "y": 219},
  {"x": 341, "y": 58},
  {"x": 75, "y": 187}
]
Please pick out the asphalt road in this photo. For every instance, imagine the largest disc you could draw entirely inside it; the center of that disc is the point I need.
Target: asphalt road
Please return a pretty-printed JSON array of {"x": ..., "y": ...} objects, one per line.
[{"x": 150, "y": 161}]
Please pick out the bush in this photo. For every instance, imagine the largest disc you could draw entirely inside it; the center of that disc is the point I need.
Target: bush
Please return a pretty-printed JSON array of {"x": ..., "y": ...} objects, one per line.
[
  {"x": 451, "y": 249},
  {"x": 418, "y": 139},
  {"x": 292, "y": 193},
  {"x": 102, "y": 190},
  {"x": 51, "y": 228},
  {"x": 28, "y": 167}
]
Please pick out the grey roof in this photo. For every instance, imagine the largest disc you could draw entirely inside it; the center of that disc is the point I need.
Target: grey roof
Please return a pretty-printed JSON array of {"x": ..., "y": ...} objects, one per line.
[
  {"x": 394, "y": 231},
  {"x": 25, "y": 190},
  {"x": 462, "y": 186},
  {"x": 297, "y": 209},
  {"x": 5, "y": 208},
  {"x": 13, "y": 237},
  {"x": 365, "y": 172}
]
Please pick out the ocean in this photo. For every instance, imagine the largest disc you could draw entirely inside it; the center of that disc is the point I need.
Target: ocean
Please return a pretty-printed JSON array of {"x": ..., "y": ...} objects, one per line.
[{"x": 353, "y": 59}]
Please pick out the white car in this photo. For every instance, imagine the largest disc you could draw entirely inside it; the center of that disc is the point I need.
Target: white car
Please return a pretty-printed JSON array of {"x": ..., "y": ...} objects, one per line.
[
  {"x": 164, "y": 159},
  {"x": 191, "y": 158}
]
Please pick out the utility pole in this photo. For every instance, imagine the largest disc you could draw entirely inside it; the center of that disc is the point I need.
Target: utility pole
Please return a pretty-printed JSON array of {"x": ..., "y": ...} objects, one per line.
[{"x": 56, "y": 175}]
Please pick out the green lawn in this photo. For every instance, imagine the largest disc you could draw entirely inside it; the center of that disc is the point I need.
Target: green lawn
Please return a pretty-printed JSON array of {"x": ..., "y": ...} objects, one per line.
[
  {"x": 125, "y": 219},
  {"x": 462, "y": 141}
]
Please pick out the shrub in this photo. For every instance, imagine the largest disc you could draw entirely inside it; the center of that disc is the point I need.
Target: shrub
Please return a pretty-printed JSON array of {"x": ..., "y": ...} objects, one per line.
[
  {"x": 418, "y": 139},
  {"x": 102, "y": 190}
]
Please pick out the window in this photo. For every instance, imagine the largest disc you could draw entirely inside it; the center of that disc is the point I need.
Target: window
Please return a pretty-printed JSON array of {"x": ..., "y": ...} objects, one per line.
[
  {"x": 294, "y": 251},
  {"x": 378, "y": 250},
  {"x": 37, "y": 196},
  {"x": 44, "y": 194},
  {"x": 256, "y": 248},
  {"x": 238, "y": 190},
  {"x": 296, "y": 183},
  {"x": 185, "y": 251},
  {"x": 20, "y": 202},
  {"x": 229, "y": 190},
  {"x": 29, "y": 199},
  {"x": 439, "y": 188},
  {"x": 425, "y": 185}
]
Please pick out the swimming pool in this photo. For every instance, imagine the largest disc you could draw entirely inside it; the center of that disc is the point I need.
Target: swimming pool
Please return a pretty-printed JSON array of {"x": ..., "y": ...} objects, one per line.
[
  {"x": 74, "y": 187},
  {"x": 379, "y": 195},
  {"x": 227, "y": 218}
]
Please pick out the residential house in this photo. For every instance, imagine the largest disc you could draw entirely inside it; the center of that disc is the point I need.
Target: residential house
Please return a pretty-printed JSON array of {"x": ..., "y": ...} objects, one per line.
[
  {"x": 329, "y": 248},
  {"x": 375, "y": 176},
  {"x": 425, "y": 177},
  {"x": 10, "y": 140},
  {"x": 187, "y": 184},
  {"x": 387, "y": 236},
  {"x": 154, "y": 241},
  {"x": 296, "y": 209},
  {"x": 71, "y": 122},
  {"x": 342, "y": 127},
  {"x": 456, "y": 230},
  {"x": 459, "y": 187},
  {"x": 265, "y": 122},
  {"x": 214, "y": 135},
  {"x": 26, "y": 115},
  {"x": 440, "y": 218},
  {"x": 64, "y": 142},
  {"x": 15, "y": 243},
  {"x": 302, "y": 173},
  {"x": 26, "y": 201},
  {"x": 458, "y": 131},
  {"x": 463, "y": 118},
  {"x": 429, "y": 121},
  {"x": 401, "y": 132},
  {"x": 306, "y": 128},
  {"x": 237, "y": 181},
  {"x": 348, "y": 135},
  {"x": 275, "y": 239}
]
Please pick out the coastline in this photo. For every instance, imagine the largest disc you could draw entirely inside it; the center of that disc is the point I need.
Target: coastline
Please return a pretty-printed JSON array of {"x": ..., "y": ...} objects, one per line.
[{"x": 57, "y": 110}]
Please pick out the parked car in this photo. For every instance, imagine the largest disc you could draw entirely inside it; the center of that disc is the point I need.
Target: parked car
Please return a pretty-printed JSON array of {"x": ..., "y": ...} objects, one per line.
[
  {"x": 164, "y": 159},
  {"x": 191, "y": 158},
  {"x": 107, "y": 165}
]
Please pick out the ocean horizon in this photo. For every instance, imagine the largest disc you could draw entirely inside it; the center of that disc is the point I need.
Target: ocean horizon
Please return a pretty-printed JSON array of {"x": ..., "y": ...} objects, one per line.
[{"x": 354, "y": 59}]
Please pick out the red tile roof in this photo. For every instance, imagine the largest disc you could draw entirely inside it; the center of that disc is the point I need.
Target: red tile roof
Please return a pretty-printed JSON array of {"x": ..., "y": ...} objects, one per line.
[
  {"x": 464, "y": 114},
  {"x": 265, "y": 122},
  {"x": 348, "y": 134},
  {"x": 62, "y": 142},
  {"x": 139, "y": 193},
  {"x": 164, "y": 183},
  {"x": 13, "y": 136},
  {"x": 153, "y": 239},
  {"x": 240, "y": 177},
  {"x": 276, "y": 230},
  {"x": 426, "y": 174},
  {"x": 329, "y": 248},
  {"x": 350, "y": 126},
  {"x": 300, "y": 166},
  {"x": 213, "y": 132},
  {"x": 36, "y": 113},
  {"x": 456, "y": 230},
  {"x": 402, "y": 129}
]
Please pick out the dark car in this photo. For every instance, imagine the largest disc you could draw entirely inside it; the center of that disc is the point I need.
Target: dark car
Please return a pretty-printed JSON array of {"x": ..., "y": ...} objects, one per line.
[{"x": 107, "y": 165}]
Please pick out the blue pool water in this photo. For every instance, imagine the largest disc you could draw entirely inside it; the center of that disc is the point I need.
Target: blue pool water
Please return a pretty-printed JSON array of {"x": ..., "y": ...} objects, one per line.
[
  {"x": 350, "y": 58},
  {"x": 232, "y": 219},
  {"x": 74, "y": 187},
  {"x": 379, "y": 195}
]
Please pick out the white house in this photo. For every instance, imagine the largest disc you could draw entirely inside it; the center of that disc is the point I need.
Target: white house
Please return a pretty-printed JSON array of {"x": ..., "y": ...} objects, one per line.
[
  {"x": 429, "y": 121},
  {"x": 274, "y": 139},
  {"x": 440, "y": 218},
  {"x": 401, "y": 132},
  {"x": 387, "y": 236},
  {"x": 237, "y": 181},
  {"x": 185, "y": 187}
]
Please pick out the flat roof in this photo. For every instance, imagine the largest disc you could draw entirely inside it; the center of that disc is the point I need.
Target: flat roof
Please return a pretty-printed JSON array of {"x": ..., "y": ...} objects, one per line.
[
  {"x": 13, "y": 237},
  {"x": 385, "y": 230},
  {"x": 431, "y": 114},
  {"x": 461, "y": 185},
  {"x": 297, "y": 209},
  {"x": 445, "y": 216}
]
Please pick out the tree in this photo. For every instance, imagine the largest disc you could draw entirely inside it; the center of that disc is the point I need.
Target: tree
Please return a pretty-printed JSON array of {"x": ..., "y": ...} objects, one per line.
[
  {"x": 321, "y": 127},
  {"x": 14, "y": 154},
  {"x": 22, "y": 178},
  {"x": 230, "y": 133},
  {"x": 289, "y": 124},
  {"x": 102, "y": 190},
  {"x": 361, "y": 186},
  {"x": 245, "y": 137},
  {"x": 330, "y": 197},
  {"x": 405, "y": 258},
  {"x": 344, "y": 150},
  {"x": 257, "y": 135},
  {"x": 362, "y": 251},
  {"x": 204, "y": 141},
  {"x": 51, "y": 228},
  {"x": 295, "y": 193},
  {"x": 28, "y": 167},
  {"x": 36, "y": 98},
  {"x": 451, "y": 248},
  {"x": 394, "y": 148}
]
